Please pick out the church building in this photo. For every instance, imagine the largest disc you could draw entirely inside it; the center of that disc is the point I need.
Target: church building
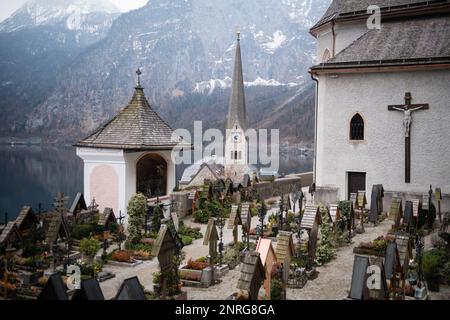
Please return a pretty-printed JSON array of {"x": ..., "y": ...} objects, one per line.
[
  {"x": 129, "y": 154},
  {"x": 383, "y": 99},
  {"x": 235, "y": 164}
]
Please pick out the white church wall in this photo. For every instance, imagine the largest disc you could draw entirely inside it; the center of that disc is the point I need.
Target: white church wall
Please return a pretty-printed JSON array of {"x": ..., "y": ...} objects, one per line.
[
  {"x": 345, "y": 33},
  {"x": 381, "y": 155},
  {"x": 109, "y": 189}
]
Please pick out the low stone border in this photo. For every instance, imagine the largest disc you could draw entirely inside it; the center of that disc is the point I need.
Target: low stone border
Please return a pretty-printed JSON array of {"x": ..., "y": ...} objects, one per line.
[{"x": 124, "y": 264}]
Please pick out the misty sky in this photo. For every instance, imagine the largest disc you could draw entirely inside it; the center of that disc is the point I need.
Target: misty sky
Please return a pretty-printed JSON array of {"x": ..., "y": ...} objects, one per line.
[{"x": 7, "y": 7}]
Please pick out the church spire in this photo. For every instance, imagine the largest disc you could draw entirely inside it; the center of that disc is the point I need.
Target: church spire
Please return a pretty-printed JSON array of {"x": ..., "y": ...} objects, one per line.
[{"x": 236, "y": 108}]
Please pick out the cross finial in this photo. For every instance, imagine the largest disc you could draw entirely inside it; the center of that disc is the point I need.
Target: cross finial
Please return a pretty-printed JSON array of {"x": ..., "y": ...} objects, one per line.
[
  {"x": 238, "y": 33},
  {"x": 138, "y": 72}
]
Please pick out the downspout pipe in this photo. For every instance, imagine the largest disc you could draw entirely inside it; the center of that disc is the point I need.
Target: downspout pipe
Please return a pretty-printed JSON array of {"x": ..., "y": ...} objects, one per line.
[{"x": 316, "y": 80}]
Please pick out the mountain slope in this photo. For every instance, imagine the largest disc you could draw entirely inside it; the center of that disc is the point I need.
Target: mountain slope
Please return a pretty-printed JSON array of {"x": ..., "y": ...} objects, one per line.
[{"x": 185, "y": 50}]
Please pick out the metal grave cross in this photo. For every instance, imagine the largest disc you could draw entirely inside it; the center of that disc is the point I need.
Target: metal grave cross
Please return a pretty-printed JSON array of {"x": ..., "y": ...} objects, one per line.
[{"x": 408, "y": 109}]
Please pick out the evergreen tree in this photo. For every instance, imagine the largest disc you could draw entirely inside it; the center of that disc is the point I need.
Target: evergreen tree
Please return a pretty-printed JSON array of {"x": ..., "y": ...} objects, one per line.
[
  {"x": 137, "y": 209},
  {"x": 325, "y": 251}
]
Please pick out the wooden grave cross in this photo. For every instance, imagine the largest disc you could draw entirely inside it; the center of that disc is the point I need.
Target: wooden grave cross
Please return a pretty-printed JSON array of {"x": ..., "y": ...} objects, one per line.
[
  {"x": 438, "y": 197},
  {"x": 407, "y": 110},
  {"x": 234, "y": 222},
  {"x": 211, "y": 237}
]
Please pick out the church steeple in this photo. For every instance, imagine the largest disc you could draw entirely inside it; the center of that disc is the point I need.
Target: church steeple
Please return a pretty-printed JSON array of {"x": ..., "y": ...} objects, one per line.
[{"x": 236, "y": 108}]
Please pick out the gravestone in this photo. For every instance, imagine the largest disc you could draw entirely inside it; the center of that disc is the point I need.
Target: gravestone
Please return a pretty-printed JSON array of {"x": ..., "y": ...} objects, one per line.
[
  {"x": 417, "y": 207},
  {"x": 233, "y": 222},
  {"x": 90, "y": 290},
  {"x": 285, "y": 246},
  {"x": 131, "y": 289},
  {"x": 106, "y": 217},
  {"x": 407, "y": 215},
  {"x": 310, "y": 222},
  {"x": 335, "y": 213},
  {"x": 252, "y": 275},
  {"x": 54, "y": 289},
  {"x": 211, "y": 237},
  {"x": 268, "y": 260},
  {"x": 396, "y": 211},
  {"x": 176, "y": 222},
  {"x": 166, "y": 245},
  {"x": 358, "y": 289},
  {"x": 393, "y": 269},
  {"x": 246, "y": 217},
  {"x": 376, "y": 203}
]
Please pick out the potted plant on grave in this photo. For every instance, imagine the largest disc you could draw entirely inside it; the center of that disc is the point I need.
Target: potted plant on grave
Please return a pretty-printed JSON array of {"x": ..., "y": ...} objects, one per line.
[
  {"x": 193, "y": 270},
  {"x": 432, "y": 262},
  {"x": 89, "y": 248}
]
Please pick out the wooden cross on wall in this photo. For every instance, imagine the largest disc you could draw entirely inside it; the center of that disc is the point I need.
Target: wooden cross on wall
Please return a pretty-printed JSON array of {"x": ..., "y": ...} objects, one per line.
[{"x": 408, "y": 109}]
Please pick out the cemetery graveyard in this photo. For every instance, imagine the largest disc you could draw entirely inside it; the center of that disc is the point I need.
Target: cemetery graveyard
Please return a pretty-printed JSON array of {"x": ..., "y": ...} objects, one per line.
[{"x": 257, "y": 249}]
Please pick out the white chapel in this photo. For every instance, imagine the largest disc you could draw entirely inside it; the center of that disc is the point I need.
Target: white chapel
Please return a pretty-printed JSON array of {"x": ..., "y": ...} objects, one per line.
[{"x": 383, "y": 99}]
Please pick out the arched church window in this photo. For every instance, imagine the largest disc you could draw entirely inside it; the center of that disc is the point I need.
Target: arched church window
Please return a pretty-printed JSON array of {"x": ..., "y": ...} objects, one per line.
[
  {"x": 235, "y": 155},
  {"x": 357, "y": 127},
  {"x": 326, "y": 55}
]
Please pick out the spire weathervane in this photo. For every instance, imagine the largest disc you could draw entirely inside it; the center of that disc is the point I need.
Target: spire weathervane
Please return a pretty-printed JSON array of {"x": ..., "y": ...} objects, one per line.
[
  {"x": 138, "y": 72},
  {"x": 238, "y": 33}
]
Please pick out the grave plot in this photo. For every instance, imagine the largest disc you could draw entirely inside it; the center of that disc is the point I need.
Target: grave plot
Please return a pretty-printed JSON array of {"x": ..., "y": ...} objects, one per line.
[
  {"x": 203, "y": 272},
  {"x": 167, "y": 248},
  {"x": 368, "y": 279}
]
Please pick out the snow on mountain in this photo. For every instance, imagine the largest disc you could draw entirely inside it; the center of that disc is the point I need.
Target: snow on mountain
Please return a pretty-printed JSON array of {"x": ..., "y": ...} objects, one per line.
[
  {"x": 208, "y": 87},
  {"x": 73, "y": 14}
]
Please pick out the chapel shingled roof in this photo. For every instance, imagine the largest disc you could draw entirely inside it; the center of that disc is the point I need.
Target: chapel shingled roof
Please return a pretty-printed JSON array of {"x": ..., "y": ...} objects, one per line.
[
  {"x": 347, "y": 9},
  {"x": 136, "y": 127}
]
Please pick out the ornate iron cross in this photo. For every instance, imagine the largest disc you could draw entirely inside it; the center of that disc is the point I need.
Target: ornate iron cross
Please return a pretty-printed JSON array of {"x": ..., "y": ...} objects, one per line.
[{"x": 407, "y": 110}]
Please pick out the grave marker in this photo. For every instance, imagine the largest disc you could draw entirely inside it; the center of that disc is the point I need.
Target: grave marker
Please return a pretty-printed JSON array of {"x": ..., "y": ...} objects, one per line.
[
  {"x": 268, "y": 259},
  {"x": 358, "y": 289},
  {"x": 310, "y": 222},
  {"x": 438, "y": 197},
  {"x": 54, "y": 289},
  {"x": 252, "y": 275},
  {"x": 90, "y": 290},
  {"x": 234, "y": 222},
  {"x": 211, "y": 237},
  {"x": 131, "y": 289}
]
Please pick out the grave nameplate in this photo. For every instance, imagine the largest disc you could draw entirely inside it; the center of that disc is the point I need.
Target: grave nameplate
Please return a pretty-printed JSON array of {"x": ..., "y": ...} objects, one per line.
[
  {"x": 426, "y": 202},
  {"x": 416, "y": 205},
  {"x": 334, "y": 212},
  {"x": 361, "y": 200},
  {"x": 438, "y": 194},
  {"x": 353, "y": 198}
]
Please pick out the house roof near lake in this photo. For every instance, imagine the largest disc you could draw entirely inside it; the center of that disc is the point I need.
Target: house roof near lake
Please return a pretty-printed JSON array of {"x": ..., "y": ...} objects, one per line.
[{"x": 136, "y": 127}]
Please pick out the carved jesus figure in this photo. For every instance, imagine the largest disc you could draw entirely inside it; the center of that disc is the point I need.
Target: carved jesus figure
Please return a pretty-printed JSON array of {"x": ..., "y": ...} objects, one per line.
[{"x": 407, "y": 120}]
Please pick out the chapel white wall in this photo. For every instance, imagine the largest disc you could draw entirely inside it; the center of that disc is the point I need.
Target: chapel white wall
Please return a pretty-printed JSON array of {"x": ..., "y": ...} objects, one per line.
[
  {"x": 381, "y": 155},
  {"x": 346, "y": 33}
]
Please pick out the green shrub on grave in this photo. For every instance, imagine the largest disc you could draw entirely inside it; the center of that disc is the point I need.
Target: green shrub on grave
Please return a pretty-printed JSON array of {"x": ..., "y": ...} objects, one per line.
[
  {"x": 201, "y": 216},
  {"x": 137, "y": 210},
  {"x": 432, "y": 263},
  {"x": 276, "y": 289},
  {"x": 325, "y": 251},
  {"x": 186, "y": 240},
  {"x": 81, "y": 231},
  {"x": 157, "y": 216},
  {"x": 89, "y": 247}
]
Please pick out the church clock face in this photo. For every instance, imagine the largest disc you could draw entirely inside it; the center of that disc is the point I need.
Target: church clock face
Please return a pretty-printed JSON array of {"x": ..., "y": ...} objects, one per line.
[{"x": 236, "y": 136}]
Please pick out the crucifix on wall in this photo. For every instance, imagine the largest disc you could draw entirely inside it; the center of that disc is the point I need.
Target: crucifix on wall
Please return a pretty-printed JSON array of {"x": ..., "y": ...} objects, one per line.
[{"x": 407, "y": 110}]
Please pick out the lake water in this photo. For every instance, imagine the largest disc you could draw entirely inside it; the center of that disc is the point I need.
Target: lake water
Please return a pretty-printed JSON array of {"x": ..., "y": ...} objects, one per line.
[{"x": 33, "y": 175}]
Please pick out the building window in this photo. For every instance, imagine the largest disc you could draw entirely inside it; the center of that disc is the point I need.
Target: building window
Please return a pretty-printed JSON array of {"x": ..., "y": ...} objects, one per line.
[
  {"x": 357, "y": 127},
  {"x": 235, "y": 155},
  {"x": 326, "y": 56}
]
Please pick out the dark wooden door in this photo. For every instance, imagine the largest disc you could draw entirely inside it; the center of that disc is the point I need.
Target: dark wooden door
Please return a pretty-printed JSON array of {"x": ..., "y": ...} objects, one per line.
[{"x": 356, "y": 182}]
